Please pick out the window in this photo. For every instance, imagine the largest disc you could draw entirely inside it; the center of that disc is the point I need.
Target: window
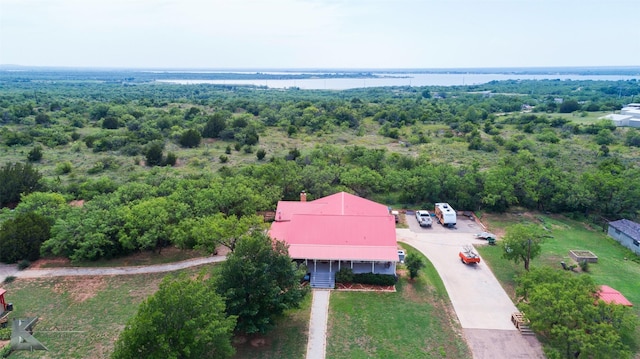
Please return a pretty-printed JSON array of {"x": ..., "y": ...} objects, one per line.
[
  {"x": 636, "y": 243},
  {"x": 617, "y": 231}
]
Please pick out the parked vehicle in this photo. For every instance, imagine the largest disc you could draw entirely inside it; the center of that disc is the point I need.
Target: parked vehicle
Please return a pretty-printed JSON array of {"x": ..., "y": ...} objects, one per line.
[
  {"x": 469, "y": 256},
  {"x": 396, "y": 215},
  {"x": 424, "y": 218},
  {"x": 445, "y": 214}
]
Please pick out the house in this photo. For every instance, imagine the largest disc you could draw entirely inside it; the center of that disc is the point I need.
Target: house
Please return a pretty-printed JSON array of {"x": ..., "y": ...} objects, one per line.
[
  {"x": 627, "y": 233},
  {"x": 338, "y": 231},
  {"x": 629, "y": 116}
]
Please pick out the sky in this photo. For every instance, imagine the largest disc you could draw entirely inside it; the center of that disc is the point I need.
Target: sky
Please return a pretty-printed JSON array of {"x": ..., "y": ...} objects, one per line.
[{"x": 319, "y": 34}]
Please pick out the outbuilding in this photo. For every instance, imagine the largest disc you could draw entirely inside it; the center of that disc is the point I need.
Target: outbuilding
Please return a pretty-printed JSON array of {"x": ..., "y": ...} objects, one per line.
[{"x": 627, "y": 233}]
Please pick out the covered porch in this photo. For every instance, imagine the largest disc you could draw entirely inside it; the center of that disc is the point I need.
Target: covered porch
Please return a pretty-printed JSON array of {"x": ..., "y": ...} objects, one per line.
[{"x": 323, "y": 272}]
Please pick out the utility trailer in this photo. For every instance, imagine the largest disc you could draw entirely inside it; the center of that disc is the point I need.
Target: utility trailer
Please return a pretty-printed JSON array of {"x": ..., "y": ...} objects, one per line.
[{"x": 469, "y": 256}]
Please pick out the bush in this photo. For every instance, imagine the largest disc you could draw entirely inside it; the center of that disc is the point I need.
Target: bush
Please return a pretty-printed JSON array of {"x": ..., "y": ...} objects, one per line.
[
  {"x": 23, "y": 264},
  {"x": 5, "y": 333},
  {"x": 35, "y": 154},
  {"x": 9, "y": 279},
  {"x": 64, "y": 168},
  {"x": 261, "y": 154},
  {"x": 344, "y": 275},
  {"x": 223, "y": 159},
  {"x": 375, "y": 279},
  {"x": 6, "y": 351},
  {"x": 584, "y": 266}
]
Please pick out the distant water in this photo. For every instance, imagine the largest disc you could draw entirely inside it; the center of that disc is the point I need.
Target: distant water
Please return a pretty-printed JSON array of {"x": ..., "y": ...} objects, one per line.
[{"x": 395, "y": 79}]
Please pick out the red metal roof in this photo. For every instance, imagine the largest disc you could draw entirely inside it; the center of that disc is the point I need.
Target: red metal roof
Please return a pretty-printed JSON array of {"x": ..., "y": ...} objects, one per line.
[
  {"x": 340, "y": 226},
  {"x": 611, "y": 295}
]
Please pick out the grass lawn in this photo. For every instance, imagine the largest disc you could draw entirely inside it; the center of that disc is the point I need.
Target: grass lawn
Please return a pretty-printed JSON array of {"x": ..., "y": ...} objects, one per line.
[
  {"x": 415, "y": 322},
  {"x": 287, "y": 340},
  {"x": 81, "y": 317},
  {"x": 614, "y": 268}
]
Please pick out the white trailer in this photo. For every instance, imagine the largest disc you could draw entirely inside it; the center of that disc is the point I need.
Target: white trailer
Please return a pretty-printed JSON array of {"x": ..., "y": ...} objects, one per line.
[{"x": 445, "y": 214}]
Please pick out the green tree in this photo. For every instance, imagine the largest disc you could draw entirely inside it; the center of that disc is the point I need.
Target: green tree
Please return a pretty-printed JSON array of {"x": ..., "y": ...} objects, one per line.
[
  {"x": 561, "y": 309},
  {"x": 190, "y": 138},
  {"x": 153, "y": 154},
  {"x": 22, "y": 236},
  {"x": 227, "y": 231},
  {"x": 414, "y": 263},
  {"x": 259, "y": 281},
  {"x": 17, "y": 179},
  {"x": 184, "y": 319},
  {"x": 216, "y": 123},
  {"x": 522, "y": 243}
]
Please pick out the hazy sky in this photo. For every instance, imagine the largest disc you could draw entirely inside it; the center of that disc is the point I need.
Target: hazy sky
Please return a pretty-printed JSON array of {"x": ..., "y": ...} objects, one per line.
[{"x": 319, "y": 33}]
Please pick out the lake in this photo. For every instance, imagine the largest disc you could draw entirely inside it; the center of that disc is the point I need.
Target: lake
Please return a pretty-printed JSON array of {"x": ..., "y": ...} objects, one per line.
[{"x": 395, "y": 79}]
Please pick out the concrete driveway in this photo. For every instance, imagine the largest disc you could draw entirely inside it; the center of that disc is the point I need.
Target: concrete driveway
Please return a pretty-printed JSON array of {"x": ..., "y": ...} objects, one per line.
[{"x": 483, "y": 308}]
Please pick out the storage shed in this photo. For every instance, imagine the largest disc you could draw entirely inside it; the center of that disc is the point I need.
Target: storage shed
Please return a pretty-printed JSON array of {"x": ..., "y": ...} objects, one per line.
[{"x": 627, "y": 233}]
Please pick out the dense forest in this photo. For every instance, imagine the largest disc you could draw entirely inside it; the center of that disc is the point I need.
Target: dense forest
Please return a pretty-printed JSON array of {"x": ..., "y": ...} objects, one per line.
[{"x": 102, "y": 168}]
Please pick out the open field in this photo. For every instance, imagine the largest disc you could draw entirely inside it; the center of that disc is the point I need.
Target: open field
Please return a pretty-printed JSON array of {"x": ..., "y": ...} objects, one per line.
[
  {"x": 615, "y": 266},
  {"x": 415, "y": 322}
]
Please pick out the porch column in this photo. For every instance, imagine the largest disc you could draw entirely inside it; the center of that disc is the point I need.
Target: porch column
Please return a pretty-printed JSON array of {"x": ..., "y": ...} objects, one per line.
[
  {"x": 373, "y": 267},
  {"x": 338, "y": 266},
  {"x": 314, "y": 265},
  {"x": 330, "y": 266},
  {"x": 351, "y": 264}
]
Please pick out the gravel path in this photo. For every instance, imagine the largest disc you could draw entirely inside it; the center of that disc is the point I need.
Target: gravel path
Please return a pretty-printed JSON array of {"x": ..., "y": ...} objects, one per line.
[{"x": 11, "y": 270}]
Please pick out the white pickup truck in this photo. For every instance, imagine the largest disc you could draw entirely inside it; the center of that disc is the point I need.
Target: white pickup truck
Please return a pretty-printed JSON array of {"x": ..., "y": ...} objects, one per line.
[{"x": 424, "y": 218}]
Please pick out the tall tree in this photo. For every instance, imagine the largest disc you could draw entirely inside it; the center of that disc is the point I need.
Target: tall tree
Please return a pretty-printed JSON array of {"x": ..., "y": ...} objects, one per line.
[
  {"x": 259, "y": 282},
  {"x": 17, "y": 179},
  {"x": 522, "y": 243},
  {"x": 22, "y": 236},
  {"x": 184, "y": 319}
]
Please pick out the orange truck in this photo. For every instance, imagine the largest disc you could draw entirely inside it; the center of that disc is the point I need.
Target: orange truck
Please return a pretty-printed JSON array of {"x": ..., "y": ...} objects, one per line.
[{"x": 468, "y": 256}]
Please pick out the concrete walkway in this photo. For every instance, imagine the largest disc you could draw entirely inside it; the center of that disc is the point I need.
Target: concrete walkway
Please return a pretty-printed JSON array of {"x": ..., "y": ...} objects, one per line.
[{"x": 317, "y": 342}]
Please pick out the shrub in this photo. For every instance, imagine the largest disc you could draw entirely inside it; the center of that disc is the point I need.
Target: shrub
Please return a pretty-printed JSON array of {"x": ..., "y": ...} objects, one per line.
[
  {"x": 171, "y": 159},
  {"x": 584, "y": 266},
  {"x": 35, "y": 154},
  {"x": 261, "y": 154},
  {"x": 375, "y": 279},
  {"x": 64, "y": 167},
  {"x": 344, "y": 275},
  {"x": 5, "y": 333},
  {"x": 6, "y": 351},
  {"x": 223, "y": 159},
  {"x": 23, "y": 264},
  {"x": 9, "y": 279}
]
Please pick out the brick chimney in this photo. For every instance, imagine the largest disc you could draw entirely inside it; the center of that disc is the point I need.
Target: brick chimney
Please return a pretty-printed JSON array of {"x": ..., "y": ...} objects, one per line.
[{"x": 303, "y": 196}]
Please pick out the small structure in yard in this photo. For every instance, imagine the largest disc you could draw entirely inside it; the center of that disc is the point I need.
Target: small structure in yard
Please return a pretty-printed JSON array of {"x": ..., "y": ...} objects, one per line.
[
  {"x": 627, "y": 233},
  {"x": 583, "y": 256},
  {"x": 610, "y": 295}
]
